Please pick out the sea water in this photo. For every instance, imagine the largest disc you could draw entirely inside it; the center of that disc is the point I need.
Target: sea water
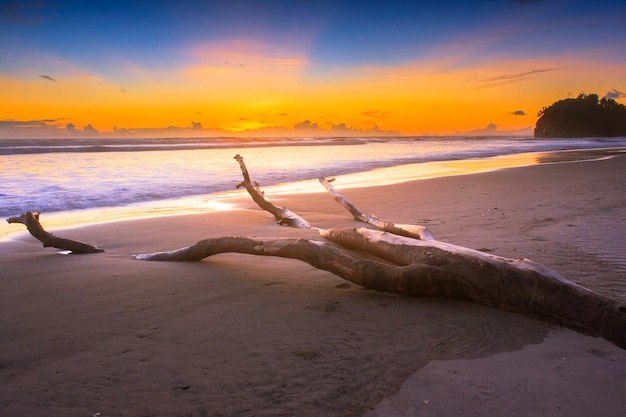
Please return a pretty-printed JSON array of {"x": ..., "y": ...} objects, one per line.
[{"x": 62, "y": 175}]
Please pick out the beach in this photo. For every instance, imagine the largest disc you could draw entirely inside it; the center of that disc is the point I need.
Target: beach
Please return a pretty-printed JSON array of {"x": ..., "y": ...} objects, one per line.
[{"x": 237, "y": 335}]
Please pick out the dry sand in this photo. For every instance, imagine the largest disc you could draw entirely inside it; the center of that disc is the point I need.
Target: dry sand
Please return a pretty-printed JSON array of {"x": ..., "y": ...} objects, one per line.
[{"x": 237, "y": 335}]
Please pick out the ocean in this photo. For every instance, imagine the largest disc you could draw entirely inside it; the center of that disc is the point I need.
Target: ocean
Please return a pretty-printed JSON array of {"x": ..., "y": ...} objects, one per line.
[{"x": 169, "y": 174}]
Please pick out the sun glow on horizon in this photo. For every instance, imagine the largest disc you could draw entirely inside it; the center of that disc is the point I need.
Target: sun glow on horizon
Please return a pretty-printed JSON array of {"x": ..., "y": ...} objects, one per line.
[
  {"x": 411, "y": 99},
  {"x": 298, "y": 79}
]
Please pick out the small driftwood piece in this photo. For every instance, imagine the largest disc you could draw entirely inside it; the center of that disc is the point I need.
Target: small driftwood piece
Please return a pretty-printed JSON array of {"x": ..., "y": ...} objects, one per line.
[
  {"x": 406, "y": 230},
  {"x": 425, "y": 267},
  {"x": 283, "y": 216},
  {"x": 31, "y": 220}
]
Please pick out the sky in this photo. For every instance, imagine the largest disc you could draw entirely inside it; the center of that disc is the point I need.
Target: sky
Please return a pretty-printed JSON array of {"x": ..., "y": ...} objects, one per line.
[{"x": 300, "y": 68}]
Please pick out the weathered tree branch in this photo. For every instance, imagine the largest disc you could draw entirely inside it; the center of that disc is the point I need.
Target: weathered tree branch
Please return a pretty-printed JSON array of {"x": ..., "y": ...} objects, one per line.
[
  {"x": 283, "y": 216},
  {"x": 31, "y": 220},
  {"x": 407, "y": 230}
]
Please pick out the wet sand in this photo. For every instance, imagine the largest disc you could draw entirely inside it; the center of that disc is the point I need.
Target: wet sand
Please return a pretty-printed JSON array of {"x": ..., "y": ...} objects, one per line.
[{"x": 236, "y": 335}]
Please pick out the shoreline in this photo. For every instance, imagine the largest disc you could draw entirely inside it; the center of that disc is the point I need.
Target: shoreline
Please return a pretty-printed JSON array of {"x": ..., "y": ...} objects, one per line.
[
  {"x": 238, "y": 335},
  {"x": 234, "y": 199}
]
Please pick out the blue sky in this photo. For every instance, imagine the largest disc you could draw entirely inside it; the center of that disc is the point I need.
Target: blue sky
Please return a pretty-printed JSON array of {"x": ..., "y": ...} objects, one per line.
[
  {"x": 328, "y": 43},
  {"x": 339, "y": 31}
]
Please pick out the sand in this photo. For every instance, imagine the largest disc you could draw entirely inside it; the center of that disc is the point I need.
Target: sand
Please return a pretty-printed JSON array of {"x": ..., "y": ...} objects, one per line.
[{"x": 238, "y": 335}]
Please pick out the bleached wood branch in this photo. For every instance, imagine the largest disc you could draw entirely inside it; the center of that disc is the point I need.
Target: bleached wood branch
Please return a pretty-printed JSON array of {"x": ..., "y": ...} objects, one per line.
[
  {"x": 407, "y": 230},
  {"x": 31, "y": 220},
  {"x": 282, "y": 215}
]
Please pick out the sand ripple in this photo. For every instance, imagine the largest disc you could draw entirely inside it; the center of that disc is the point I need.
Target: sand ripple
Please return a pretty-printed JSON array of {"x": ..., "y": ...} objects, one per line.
[{"x": 595, "y": 251}]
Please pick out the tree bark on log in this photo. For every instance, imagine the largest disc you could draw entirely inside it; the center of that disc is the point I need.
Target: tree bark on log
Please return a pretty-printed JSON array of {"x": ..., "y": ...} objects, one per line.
[{"x": 31, "y": 220}]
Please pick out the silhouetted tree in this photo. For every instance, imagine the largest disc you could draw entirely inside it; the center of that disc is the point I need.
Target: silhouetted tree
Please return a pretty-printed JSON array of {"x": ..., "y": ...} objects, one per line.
[{"x": 584, "y": 116}]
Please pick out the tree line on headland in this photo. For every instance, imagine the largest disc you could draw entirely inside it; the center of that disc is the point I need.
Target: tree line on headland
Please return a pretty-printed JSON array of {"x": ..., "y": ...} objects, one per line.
[{"x": 584, "y": 116}]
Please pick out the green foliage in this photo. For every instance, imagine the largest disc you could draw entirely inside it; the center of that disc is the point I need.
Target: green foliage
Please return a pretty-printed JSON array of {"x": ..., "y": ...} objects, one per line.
[{"x": 584, "y": 116}]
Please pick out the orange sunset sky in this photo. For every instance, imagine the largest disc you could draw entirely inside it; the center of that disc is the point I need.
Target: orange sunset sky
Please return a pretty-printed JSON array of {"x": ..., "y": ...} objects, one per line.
[{"x": 298, "y": 68}]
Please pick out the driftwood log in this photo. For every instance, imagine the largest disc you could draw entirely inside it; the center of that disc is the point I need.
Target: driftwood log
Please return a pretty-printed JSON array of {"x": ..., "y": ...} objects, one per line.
[
  {"x": 411, "y": 262},
  {"x": 415, "y": 264},
  {"x": 31, "y": 220}
]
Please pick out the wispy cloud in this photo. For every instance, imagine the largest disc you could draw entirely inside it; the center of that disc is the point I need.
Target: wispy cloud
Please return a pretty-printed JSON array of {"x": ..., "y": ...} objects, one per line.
[
  {"x": 38, "y": 128},
  {"x": 510, "y": 78},
  {"x": 492, "y": 130},
  {"x": 518, "y": 113},
  {"x": 340, "y": 128},
  {"x": 47, "y": 77},
  {"x": 237, "y": 71},
  {"x": 236, "y": 56},
  {"x": 377, "y": 114},
  {"x": 28, "y": 123},
  {"x": 615, "y": 94}
]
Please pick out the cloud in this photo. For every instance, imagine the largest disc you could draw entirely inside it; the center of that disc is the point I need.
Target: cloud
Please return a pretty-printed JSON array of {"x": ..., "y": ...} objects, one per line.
[
  {"x": 307, "y": 128},
  {"x": 43, "y": 128},
  {"x": 518, "y": 113},
  {"x": 377, "y": 114},
  {"x": 351, "y": 131},
  {"x": 615, "y": 94},
  {"x": 90, "y": 129},
  {"x": 306, "y": 125},
  {"x": 242, "y": 53},
  {"x": 87, "y": 130},
  {"x": 61, "y": 128},
  {"x": 234, "y": 57},
  {"x": 18, "y": 124},
  {"x": 116, "y": 90},
  {"x": 341, "y": 129},
  {"x": 195, "y": 130},
  {"x": 340, "y": 126},
  {"x": 509, "y": 78},
  {"x": 492, "y": 130},
  {"x": 47, "y": 77}
]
